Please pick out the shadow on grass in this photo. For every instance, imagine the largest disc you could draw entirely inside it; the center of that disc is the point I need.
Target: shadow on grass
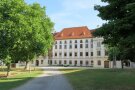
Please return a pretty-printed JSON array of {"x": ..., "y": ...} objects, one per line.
[{"x": 101, "y": 79}]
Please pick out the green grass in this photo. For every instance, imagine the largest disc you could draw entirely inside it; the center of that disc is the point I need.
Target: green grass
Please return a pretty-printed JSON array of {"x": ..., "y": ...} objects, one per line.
[
  {"x": 17, "y": 78},
  {"x": 106, "y": 79}
]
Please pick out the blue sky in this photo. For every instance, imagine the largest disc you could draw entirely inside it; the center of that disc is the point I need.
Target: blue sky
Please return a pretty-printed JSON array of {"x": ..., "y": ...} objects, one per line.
[{"x": 71, "y": 13}]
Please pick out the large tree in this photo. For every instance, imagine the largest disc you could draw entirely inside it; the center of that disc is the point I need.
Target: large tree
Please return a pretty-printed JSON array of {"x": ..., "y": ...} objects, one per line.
[
  {"x": 118, "y": 31},
  {"x": 25, "y": 31}
]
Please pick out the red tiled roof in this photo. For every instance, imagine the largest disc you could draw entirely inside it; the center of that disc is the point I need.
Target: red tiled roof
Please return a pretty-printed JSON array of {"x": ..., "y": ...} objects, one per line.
[{"x": 74, "y": 33}]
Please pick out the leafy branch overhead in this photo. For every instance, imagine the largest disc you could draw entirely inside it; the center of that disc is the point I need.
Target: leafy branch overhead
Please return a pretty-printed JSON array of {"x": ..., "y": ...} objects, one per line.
[{"x": 119, "y": 29}]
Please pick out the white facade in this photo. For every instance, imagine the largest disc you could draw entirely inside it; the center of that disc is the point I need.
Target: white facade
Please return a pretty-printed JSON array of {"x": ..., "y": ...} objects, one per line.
[{"x": 79, "y": 52}]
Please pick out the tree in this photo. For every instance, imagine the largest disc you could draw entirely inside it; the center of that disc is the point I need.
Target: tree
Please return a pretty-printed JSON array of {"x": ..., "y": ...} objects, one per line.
[
  {"x": 118, "y": 31},
  {"x": 25, "y": 31}
]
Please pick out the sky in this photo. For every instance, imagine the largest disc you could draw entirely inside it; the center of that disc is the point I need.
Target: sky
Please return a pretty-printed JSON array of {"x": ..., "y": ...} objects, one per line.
[{"x": 71, "y": 13}]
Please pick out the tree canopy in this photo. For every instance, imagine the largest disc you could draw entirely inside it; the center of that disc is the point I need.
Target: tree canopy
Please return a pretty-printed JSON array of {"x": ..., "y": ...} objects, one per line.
[
  {"x": 118, "y": 31},
  {"x": 25, "y": 31}
]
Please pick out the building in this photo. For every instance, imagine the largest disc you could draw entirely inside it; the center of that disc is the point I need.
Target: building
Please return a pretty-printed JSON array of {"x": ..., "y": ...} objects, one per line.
[{"x": 77, "y": 46}]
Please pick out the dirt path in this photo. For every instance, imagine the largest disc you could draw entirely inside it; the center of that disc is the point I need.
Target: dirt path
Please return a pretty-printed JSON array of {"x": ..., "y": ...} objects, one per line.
[{"x": 51, "y": 80}]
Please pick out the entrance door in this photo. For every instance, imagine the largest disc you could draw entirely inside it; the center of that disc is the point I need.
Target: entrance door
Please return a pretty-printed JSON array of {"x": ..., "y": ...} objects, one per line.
[
  {"x": 37, "y": 63},
  {"x": 106, "y": 64}
]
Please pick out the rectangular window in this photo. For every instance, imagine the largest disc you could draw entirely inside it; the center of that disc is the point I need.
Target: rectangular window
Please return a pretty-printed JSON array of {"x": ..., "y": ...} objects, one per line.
[
  {"x": 65, "y": 54},
  {"x": 60, "y": 47},
  {"x": 91, "y": 53},
  {"x": 65, "y": 46},
  {"x": 81, "y": 45},
  {"x": 81, "y": 53},
  {"x": 55, "y": 46},
  {"x": 60, "y": 54},
  {"x": 87, "y": 54},
  {"x": 106, "y": 53},
  {"x": 98, "y": 44},
  {"x": 98, "y": 53},
  {"x": 42, "y": 61},
  {"x": 86, "y": 45},
  {"x": 70, "y": 54},
  {"x": 55, "y": 54},
  {"x": 75, "y": 53},
  {"x": 91, "y": 45},
  {"x": 99, "y": 62},
  {"x": 55, "y": 62},
  {"x": 70, "y": 46},
  {"x": 75, "y": 45}
]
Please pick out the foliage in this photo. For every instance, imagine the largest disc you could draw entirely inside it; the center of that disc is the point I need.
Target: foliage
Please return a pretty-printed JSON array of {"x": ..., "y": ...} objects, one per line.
[
  {"x": 119, "y": 30},
  {"x": 25, "y": 31}
]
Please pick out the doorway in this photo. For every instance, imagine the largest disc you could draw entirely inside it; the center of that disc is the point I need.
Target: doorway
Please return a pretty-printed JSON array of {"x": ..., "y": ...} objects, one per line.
[{"x": 106, "y": 64}]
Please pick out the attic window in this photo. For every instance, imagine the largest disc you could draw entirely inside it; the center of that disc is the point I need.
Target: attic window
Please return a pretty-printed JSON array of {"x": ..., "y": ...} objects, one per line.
[
  {"x": 71, "y": 34},
  {"x": 83, "y": 33},
  {"x": 61, "y": 34}
]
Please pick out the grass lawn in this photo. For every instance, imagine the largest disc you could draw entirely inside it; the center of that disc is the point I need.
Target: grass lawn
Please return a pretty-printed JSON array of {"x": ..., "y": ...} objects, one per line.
[
  {"x": 18, "y": 77},
  {"x": 103, "y": 79}
]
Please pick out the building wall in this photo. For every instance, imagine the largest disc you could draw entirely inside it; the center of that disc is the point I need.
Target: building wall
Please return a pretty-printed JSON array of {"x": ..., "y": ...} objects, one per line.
[{"x": 62, "y": 47}]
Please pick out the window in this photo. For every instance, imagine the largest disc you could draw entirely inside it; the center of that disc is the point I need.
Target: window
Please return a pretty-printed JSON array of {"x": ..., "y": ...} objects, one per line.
[
  {"x": 60, "y": 47},
  {"x": 81, "y": 62},
  {"x": 75, "y": 41},
  {"x": 55, "y": 62},
  {"x": 70, "y": 46},
  {"x": 42, "y": 61},
  {"x": 75, "y": 45},
  {"x": 91, "y": 53},
  {"x": 81, "y": 53},
  {"x": 65, "y": 54},
  {"x": 87, "y": 63},
  {"x": 86, "y": 54},
  {"x": 81, "y": 41},
  {"x": 75, "y": 63},
  {"x": 99, "y": 62},
  {"x": 81, "y": 45},
  {"x": 75, "y": 53},
  {"x": 60, "y": 62},
  {"x": 60, "y": 42},
  {"x": 65, "y": 62},
  {"x": 86, "y": 41},
  {"x": 56, "y": 42},
  {"x": 55, "y": 46},
  {"x": 98, "y": 53},
  {"x": 70, "y": 41},
  {"x": 106, "y": 52},
  {"x": 65, "y": 46},
  {"x": 86, "y": 45},
  {"x": 65, "y": 42},
  {"x": 98, "y": 44},
  {"x": 70, "y": 54},
  {"x": 55, "y": 54},
  {"x": 70, "y": 62},
  {"x": 92, "y": 62},
  {"x": 91, "y": 45},
  {"x": 60, "y": 54}
]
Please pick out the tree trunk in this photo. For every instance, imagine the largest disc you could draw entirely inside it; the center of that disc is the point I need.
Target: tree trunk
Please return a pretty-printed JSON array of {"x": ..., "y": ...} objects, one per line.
[
  {"x": 8, "y": 69},
  {"x": 26, "y": 66}
]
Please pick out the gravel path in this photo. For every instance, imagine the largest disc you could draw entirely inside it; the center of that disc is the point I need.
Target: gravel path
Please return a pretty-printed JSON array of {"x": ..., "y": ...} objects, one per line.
[{"x": 51, "y": 80}]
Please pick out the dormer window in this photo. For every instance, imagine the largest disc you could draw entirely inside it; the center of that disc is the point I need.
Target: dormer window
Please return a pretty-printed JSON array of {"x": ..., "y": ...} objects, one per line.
[{"x": 71, "y": 34}]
